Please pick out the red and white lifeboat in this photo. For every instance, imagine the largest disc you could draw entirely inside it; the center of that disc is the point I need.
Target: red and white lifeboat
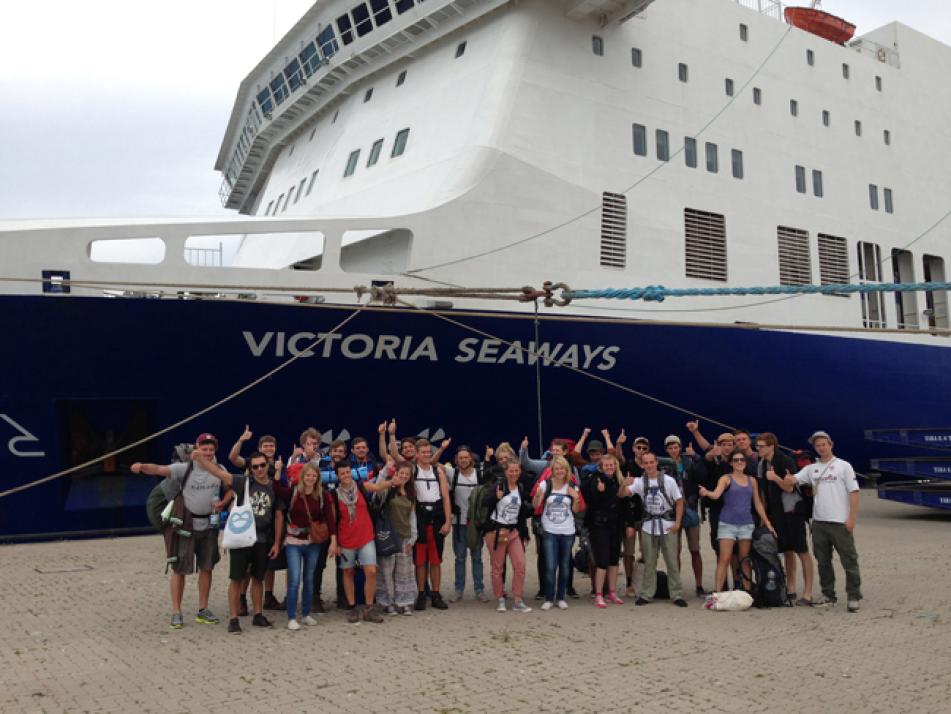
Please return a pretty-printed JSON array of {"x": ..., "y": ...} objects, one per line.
[{"x": 825, "y": 25}]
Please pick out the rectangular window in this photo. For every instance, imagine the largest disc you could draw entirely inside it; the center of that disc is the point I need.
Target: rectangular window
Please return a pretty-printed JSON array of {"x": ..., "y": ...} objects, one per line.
[
  {"x": 810, "y": 58},
  {"x": 713, "y": 160},
  {"x": 690, "y": 152},
  {"x": 906, "y": 304},
  {"x": 887, "y": 137},
  {"x": 637, "y": 57},
  {"x": 327, "y": 42},
  {"x": 264, "y": 101},
  {"x": 613, "y": 230},
  {"x": 313, "y": 178},
  {"x": 403, "y": 5},
  {"x": 682, "y": 72},
  {"x": 757, "y": 96},
  {"x": 795, "y": 263},
  {"x": 873, "y": 196},
  {"x": 381, "y": 12},
  {"x": 597, "y": 45},
  {"x": 936, "y": 301},
  {"x": 744, "y": 32},
  {"x": 833, "y": 260},
  {"x": 309, "y": 59},
  {"x": 460, "y": 49},
  {"x": 858, "y": 128},
  {"x": 401, "y": 78},
  {"x": 800, "y": 179},
  {"x": 889, "y": 206},
  {"x": 737, "y": 160},
  {"x": 826, "y": 117},
  {"x": 361, "y": 18},
  {"x": 728, "y": 86},
  {"x": 375, "y": 152},
  {"x": 368, "y": 95},
  {"x": 399, "y": 145},
  {"x": 640, "y": 139},
  {"x": 293, "y": 73},
  {"x": 794, "y": 107},
  {"x": 352, "y": 163},
  {"x": 705, "y": 247},
  {"x": 878, "y": 83},
  {"x": 279, "y": 89},
  {"x": 345, "y": 28},
  {"x": 845, "y": 71},
  {"x": 817, "y": 183},
  {"x": 312, "y": 133},
  {"x": 663, "y": 145},
  {"x": 870, "y": 270},
  {"x": 300, "y": 190}
]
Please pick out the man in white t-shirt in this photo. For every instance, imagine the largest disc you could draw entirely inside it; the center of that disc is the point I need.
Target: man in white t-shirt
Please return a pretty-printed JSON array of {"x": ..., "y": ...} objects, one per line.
[
  {"x": 434, "y": 520},
  {"x": 663, "y": 514},
  {"x": 836, "y": 507}
]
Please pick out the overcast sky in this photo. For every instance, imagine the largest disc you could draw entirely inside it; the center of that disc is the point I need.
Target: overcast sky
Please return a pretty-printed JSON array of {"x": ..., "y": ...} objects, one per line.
[{"x": 117, "y": 107}]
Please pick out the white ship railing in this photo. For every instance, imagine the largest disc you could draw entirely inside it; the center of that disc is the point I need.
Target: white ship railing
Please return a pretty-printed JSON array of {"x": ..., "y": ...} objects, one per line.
[{"x": 772, "y": 8}]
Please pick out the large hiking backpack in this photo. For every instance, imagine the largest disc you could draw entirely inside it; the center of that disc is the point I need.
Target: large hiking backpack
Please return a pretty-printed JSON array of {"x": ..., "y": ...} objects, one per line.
[
  {"x": 158, "y": 501},
  {"x": 478, "y": 514},
  {"x": 768, "y": 582}
]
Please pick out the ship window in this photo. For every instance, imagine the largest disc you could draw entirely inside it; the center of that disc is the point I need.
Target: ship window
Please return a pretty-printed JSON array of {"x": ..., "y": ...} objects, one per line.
[
  {"x": 290, "y": 197},
  {"x": 817, "y": 183},
  {"x": 744, "y": 32},
  {"x": 279, "y": 88},
  {"x": 858, "y": 128},
  {"x": 264, "y": 101},
  {"x": 309, "y": 58},
  {"x": 757, "y": 96},
  {"x": 597, "y": 45},
  {"x": 291, "y": 152},
  {"x": 845, "y": 71},
  {"x": 713, "y": 160},
  {"x": 352, "y": 163},
  {"x": 833, "y": 260},
  {"x": 327, "y": 42},
  {"x": 460, "y": 49},
  {"x": 346, "y": 33},
  {"x": 663, "y": 145},
  {"x": 873, "y": 196},
  {"x": 637, "y": 57},
  {"x": 810, "y": 58},
  {"x": 870, "y": 269},
  {"x": 682, "y": 72},
  {"x": 906, "y": 303},
  {"x": 361, "y": 18},
  {"x": 737, "y": 160},
  {"x": 795, "y": 264},
  {"x": 403, "y": 5},
  {"x": 300, "y": 190},
  {"x": 889, "y": 207},
  {"x": 887, "y": 136},
  {"x": 613, "y": 230},
  {"x": 401, "y": 78},
  {"x": 728, "y": 86},
  {"x": 336, "y": 114},
  {"x": 794, "y": 107},
  {"x": 399, "y": 145},
  {"x": 293, "y": 74},
  {"x": 313, "y": 178},
  {"x": 936, "y": 301},
  {"x": 381, "y": 11},
  {"x": 267, "y": 211},
  {"x": 375, "y": 152},
  {"x": 826, "y": 117},
  {"x": 705, "y": 235},
  {"x": 368, "y": 95},
  {"x": 313, "y": 132},
  {"x": 800, "y": 179},
  {"x": 640, "y": 139},
  {"x": 690, "y": 152},
  {"x": 878, "y": 83}
]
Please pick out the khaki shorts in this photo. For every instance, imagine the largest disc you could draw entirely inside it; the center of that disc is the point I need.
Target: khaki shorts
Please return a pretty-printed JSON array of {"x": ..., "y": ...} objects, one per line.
[
  {"x": 206, "y": 553},
  {"x": 630, "y": 544},
  {"x": 693, "y": 539}
]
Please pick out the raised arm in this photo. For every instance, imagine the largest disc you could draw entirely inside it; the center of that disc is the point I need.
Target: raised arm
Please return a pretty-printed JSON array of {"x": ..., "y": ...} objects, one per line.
[
  {"x": 381, "y": 446},
  {"x": 579, "y": 445},
  {"x": 694, "y": 428},
  {"x": 718, "y": 491},
  {"x": 536, "y": 466},
  {"x": 442, "y": 447},
  {"x": 151, "y": 470},
  {"x": 234, "y": 456},
  {"x": 608, "y": 444},
  {"x": 211, "y": 467}
]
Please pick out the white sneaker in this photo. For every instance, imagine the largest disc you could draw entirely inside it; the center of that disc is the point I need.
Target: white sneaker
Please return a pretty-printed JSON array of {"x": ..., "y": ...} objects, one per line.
[
  {"x": 293, "y": 625},
  {"x": 501, "y": 606},
  {"x": 309, "y": 621},
  {"x": 546, "y": 605},
  {"x": 521, "y": 607},
  {"x": 481, "y": 596},
  {"x": 854, "y": 605},
  {"x": 456, "y": 596},
  {"x": 562, "y": 605}
]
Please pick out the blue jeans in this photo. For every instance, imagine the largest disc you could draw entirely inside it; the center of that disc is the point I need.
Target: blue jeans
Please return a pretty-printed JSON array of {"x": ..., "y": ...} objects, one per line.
[
  {"x": 460, "y": 547},
  {"x": 301, "y": 564},
  {"x": 557, "y": 549}
]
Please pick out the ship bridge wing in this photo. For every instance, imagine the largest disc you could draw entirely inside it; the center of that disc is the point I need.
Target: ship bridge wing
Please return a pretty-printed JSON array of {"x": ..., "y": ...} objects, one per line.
[{"x": 609, "y": 10}]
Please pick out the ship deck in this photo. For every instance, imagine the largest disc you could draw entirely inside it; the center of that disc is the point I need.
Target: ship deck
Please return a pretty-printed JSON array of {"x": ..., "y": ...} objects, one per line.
[{"x": 83, "y": 627}]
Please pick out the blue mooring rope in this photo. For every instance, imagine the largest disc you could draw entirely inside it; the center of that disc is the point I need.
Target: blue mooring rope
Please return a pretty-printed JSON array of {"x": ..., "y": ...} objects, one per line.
[{"x": 658, "y": 293}]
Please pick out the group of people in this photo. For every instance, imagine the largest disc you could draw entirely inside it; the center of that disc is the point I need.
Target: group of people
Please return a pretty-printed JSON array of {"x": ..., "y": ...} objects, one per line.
[{"x": 383, "y": 520}]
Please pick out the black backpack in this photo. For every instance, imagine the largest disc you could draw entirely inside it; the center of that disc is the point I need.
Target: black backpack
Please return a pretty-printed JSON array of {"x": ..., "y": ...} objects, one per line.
[{"x": 768, "y": 582}]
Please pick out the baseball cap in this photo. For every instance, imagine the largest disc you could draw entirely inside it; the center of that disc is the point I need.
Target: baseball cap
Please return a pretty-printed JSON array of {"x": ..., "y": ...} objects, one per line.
[
  {"x": 595, "y": 446},
  {"x": 672, "y": 439},
  {"x": 819, "y": 435},
  {"x": 205, "y": 437}
]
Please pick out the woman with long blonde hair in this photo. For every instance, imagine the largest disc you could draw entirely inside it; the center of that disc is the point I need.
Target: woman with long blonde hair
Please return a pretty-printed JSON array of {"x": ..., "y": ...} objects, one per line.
[
  {"x": 559, "y": 501},
  {"x": 604, "y": 493}
]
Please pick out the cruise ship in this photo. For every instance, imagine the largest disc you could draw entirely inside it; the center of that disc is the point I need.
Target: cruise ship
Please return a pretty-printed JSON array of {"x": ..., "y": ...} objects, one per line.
[{"x": 401, "y": 169}]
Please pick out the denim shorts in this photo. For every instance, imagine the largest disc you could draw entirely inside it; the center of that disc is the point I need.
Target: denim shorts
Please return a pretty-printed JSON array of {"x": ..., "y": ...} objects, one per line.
[
  {"x": 728, "y": 531},
  {"x": 366, "y": 555}
]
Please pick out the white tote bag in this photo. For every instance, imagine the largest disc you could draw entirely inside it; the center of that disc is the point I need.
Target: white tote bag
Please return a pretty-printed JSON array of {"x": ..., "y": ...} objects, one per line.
[
  {"x": 239, "y": 528},
  {"x": 730, "y": 601}
]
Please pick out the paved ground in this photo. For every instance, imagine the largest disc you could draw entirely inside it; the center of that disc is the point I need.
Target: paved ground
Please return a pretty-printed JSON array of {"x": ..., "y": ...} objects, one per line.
[{"x": 83, "y": 627}]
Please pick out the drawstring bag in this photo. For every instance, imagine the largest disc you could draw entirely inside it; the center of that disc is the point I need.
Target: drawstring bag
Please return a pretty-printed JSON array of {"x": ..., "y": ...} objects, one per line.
[
  {"x": 729, "y": 601},
  {"x": 240, "y": 531}
]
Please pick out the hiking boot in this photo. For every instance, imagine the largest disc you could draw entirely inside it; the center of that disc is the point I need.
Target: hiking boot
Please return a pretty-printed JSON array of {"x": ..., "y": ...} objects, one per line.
[
  {"x": 371, "y": 613},
  {"x": 438, "y": 602},
  {"x": 854, "y": 605},
  {"x": 500, "y": 607},
  {"x": 680, "y": 602},
  {"x": 573, "y": 594},
  {"x": 353, "y": 617},
  {"x": 420, "y": 602},
  {"x": 309, "y": 621},
  {"x": 562, "y": 605},
  {"x": 259, "y": 620},
  {"x": 272, "y": 603},
  {"x": 642, "y": 601},
  {"x": 481, "y": 596},
  {"x": 177, "y": 621},
  {"x": 824, "y": 601},
  {"x": 547, "y": 605},
  {"x": 539, "y": 595},
  {"x": 243, "y": 606},
  {"x": 599, "y": 601},
  {"x": 293, "y": 625},
  {"x": 317, "y": 607},
  {"x": 206, "y": 617},
  {"x": 390, "y": 610},
  {"x": 234, "y": 626},
  {"x": 521, "y": 607}
]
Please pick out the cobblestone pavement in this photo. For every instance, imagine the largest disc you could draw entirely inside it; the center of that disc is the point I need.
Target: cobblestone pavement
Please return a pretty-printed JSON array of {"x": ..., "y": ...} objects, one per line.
[{"x": 84, "y": 627}]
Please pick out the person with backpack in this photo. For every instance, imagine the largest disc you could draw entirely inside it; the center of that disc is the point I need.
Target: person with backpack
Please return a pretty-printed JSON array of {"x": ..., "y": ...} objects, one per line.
[
  {"x": 739, "y": 492},
  {"x": 464, "y": 477},
  {"x": 198, "y": 482},
  {"x": 506, "y": 533},
  {"x": 558, "y": 500},
  {"x": 663, "y": 516},
  {"x": 605, "y": 496},
  {"x": 396, "y": 533},
  {"x": 835, "y": 511},
  {"x": 433, "y": 519},
  {"x": 688, "y": 472}
]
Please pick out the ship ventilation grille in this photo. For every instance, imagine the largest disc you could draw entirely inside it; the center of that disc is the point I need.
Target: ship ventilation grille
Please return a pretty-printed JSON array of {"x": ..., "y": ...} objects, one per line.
[
  {"x": 833, "y": 260},
  {"x": 613, "y": 230},
  {"x": 706, "y": 244},
  {"x": 795, "y": 267}
]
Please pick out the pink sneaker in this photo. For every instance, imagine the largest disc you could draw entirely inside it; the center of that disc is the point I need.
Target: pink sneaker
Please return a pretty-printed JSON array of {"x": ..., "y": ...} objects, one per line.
[
  {"x": 599, "y": 602},
  {"x": 614, "y": 599}
]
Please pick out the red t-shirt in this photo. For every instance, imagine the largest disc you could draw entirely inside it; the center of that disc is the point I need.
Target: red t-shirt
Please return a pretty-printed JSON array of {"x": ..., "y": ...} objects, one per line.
[{"x": 357, "y": 533}]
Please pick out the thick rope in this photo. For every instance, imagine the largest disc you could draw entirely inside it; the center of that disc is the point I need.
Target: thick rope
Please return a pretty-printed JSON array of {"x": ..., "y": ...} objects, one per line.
[{"x": 201, "y": 412}]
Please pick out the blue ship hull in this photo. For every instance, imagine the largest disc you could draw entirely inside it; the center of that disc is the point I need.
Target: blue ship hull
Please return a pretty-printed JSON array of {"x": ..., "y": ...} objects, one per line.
[{"x": 84, "y": 375}]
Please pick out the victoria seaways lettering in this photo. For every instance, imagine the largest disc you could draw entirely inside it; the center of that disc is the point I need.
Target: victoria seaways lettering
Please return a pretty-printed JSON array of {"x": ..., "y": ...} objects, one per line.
[{"x": 410, "y": 349}]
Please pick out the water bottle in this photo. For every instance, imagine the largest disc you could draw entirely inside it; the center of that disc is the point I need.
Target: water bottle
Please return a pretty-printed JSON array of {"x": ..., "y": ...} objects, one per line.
[{"x": 213, "y": 519}]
